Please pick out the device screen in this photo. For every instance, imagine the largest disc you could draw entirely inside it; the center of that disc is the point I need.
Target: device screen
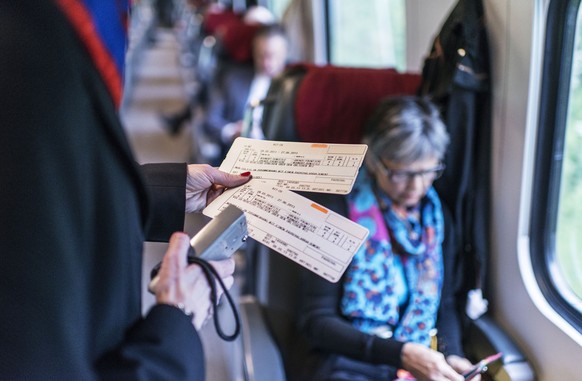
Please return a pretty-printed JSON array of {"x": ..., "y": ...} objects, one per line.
[{"x": 482, "y": 365}]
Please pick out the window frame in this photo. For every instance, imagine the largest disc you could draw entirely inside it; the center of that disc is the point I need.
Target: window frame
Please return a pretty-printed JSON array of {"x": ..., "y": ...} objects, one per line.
[{"x": 550, "y": 145}]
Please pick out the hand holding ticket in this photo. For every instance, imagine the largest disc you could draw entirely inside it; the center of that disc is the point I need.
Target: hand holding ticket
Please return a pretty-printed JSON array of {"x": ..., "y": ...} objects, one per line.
[
  {"x": 305, "y": 232},
  {"x": 310, "y": 167}
]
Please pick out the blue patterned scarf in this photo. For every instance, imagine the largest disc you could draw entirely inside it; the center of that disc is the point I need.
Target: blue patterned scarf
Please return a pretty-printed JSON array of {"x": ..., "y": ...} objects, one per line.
[{"x": 399, "y": 265}]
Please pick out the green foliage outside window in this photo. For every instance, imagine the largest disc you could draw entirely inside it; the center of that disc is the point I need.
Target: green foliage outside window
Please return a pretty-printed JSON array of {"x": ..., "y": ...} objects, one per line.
[{"x": 370, "y": 33}]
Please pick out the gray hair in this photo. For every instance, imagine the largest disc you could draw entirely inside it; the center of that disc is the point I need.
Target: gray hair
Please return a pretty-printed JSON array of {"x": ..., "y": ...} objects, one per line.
[{"x": 405, "y": 130}]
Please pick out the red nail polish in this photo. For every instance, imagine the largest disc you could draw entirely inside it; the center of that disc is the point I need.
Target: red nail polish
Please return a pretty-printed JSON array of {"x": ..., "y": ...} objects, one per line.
[{"x": 245, "y": 174}]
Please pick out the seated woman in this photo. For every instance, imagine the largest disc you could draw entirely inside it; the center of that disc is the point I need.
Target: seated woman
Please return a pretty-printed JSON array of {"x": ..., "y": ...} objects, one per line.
[{"x": 396, "y": 293}]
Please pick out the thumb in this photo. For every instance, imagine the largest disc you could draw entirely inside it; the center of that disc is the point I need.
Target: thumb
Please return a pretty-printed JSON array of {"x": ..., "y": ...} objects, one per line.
[
  {"x": 225, "y": 180},
  {"x": 228, "y": 180},
  {"x": 175, "y": 258}
]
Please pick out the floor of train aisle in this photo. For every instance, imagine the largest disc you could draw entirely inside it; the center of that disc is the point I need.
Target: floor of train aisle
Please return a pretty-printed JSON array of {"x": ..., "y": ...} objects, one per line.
[{"x": 156, "y": 86}]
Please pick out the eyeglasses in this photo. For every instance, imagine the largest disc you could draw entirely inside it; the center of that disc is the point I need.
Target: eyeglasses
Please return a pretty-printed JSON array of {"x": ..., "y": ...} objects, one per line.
[{"x": 404, "y": 177}]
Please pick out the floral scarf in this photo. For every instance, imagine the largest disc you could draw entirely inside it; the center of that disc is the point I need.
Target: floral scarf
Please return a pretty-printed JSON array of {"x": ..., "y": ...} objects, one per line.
[{"x": 399, "y": 265}]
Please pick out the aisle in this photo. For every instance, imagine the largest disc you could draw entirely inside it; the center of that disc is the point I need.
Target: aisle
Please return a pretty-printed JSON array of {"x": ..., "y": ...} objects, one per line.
[{"x": 157, "y": 86}]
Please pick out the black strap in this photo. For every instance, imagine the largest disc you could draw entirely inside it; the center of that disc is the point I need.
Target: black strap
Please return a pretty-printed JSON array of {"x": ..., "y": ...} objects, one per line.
[
  {"x": 211, "y": 276},
  {"x": 211, "y": 273}
]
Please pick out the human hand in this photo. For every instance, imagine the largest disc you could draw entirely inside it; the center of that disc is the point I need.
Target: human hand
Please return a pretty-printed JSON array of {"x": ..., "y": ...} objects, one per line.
[
  {"x": 180, "y": 284},
  {"x": 462, "y": 365},
  {"x": 426, "y": 364},
  {"x": 204, "y": 183}
]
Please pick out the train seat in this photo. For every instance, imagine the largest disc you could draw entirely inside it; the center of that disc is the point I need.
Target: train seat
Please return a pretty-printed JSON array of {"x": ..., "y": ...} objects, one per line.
[
  {"x": 214, "y": 19},
  {"x": 329, "y": 104},
  {"x": 340, "y": 98},
  {"x": 228, "y": 40},
  {"x": 227, "y": 46}
]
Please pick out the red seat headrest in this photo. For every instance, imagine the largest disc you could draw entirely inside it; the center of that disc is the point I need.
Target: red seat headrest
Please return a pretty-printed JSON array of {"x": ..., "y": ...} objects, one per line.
[
  {"x": 333, "y": 103},
  {"x": 237, "y": 40},
  {"x": 213, "y": 20}
]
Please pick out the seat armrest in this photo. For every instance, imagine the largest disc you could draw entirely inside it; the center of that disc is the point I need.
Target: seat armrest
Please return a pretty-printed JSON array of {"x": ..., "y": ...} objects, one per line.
[
  {"x": 261, "y": 355},
  {"x": 485, "y": 337}
]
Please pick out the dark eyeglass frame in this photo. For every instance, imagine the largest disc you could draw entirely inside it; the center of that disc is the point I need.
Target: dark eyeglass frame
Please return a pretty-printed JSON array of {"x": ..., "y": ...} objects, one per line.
[{"x": 404, "y": 177}]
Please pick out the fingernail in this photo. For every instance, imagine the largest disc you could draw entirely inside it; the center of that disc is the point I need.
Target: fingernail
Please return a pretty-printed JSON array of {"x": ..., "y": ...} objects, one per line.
[{"x": 245, "y": 174}]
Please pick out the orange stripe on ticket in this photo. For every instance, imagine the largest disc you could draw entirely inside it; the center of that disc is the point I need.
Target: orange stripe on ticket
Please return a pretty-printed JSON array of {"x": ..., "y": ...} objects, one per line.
[
  {"x": 318, "y": 145},
  {"x": 320, "y": 208}
]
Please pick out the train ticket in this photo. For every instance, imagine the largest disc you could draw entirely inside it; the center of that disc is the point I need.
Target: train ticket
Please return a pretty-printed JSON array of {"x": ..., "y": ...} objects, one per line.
[
  {"x": 305, "y": 232},
  {"x": 310, "y": 167}
]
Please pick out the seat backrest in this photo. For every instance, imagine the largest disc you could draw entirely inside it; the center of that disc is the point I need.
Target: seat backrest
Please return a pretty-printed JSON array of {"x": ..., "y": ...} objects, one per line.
[
  {"x": 213, "y": 23},
  {"x": 279, "y": 287},
  {"x": 329, "y": 104},
  {"x": 237, "y": 41},
  {"x": 227, "y": 41},
  {"x": 214, "y": 19}
]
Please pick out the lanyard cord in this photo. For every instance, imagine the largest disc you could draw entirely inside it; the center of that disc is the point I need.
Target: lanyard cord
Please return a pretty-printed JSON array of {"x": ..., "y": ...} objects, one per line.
[{"x": 211, "y": 275}]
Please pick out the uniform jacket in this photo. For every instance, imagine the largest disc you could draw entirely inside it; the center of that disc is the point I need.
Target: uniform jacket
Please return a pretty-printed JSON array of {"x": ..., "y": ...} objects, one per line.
[{"x": 75, "y": 210}]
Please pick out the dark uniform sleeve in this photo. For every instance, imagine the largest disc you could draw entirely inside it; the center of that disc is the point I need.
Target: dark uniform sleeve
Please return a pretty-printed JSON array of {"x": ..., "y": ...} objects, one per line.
[
  {"x": 167, "y": 189},
  {"x": 72, "y": 223},
  {"x": 148, "y": 352}
]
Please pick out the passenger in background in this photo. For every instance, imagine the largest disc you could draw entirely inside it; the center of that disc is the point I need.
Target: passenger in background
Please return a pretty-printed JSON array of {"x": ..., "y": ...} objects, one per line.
[
  {"x": 219, "y": 60},
  {"x": 164, "y": 13},
  {"x": 257, "y": 14},
  {"x": 382, "y": 316},
  {"x": 241, "y": 85}
]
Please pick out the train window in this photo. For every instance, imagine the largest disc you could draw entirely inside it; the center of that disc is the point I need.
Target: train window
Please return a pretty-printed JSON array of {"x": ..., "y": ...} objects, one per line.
[
  {"x": 569, "y": 212},
  {"x": 369, "y": 33},
  {"x": 556, "y": 223},
  {"x": 278, "y": 7}
]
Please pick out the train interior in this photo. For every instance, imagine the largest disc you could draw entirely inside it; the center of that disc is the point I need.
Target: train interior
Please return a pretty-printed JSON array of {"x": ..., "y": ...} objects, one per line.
[{"x": 169, "y": 68}]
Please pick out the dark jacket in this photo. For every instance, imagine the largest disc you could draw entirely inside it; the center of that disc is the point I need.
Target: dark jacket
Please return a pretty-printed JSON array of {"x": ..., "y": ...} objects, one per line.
[
  {"x": 332, "y": 338},
  {"x": 75, "y": 211},
  {"x": 228, "y": 98},
  {"x": 456, "y": 76}
]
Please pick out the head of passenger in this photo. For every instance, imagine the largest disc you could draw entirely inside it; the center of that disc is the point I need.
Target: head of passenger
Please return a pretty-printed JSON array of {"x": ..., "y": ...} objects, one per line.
[
  {"x": 270, "y": 50},
  {"x": 407, "y": 141},
  {"x": 257, "y": 14}
]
